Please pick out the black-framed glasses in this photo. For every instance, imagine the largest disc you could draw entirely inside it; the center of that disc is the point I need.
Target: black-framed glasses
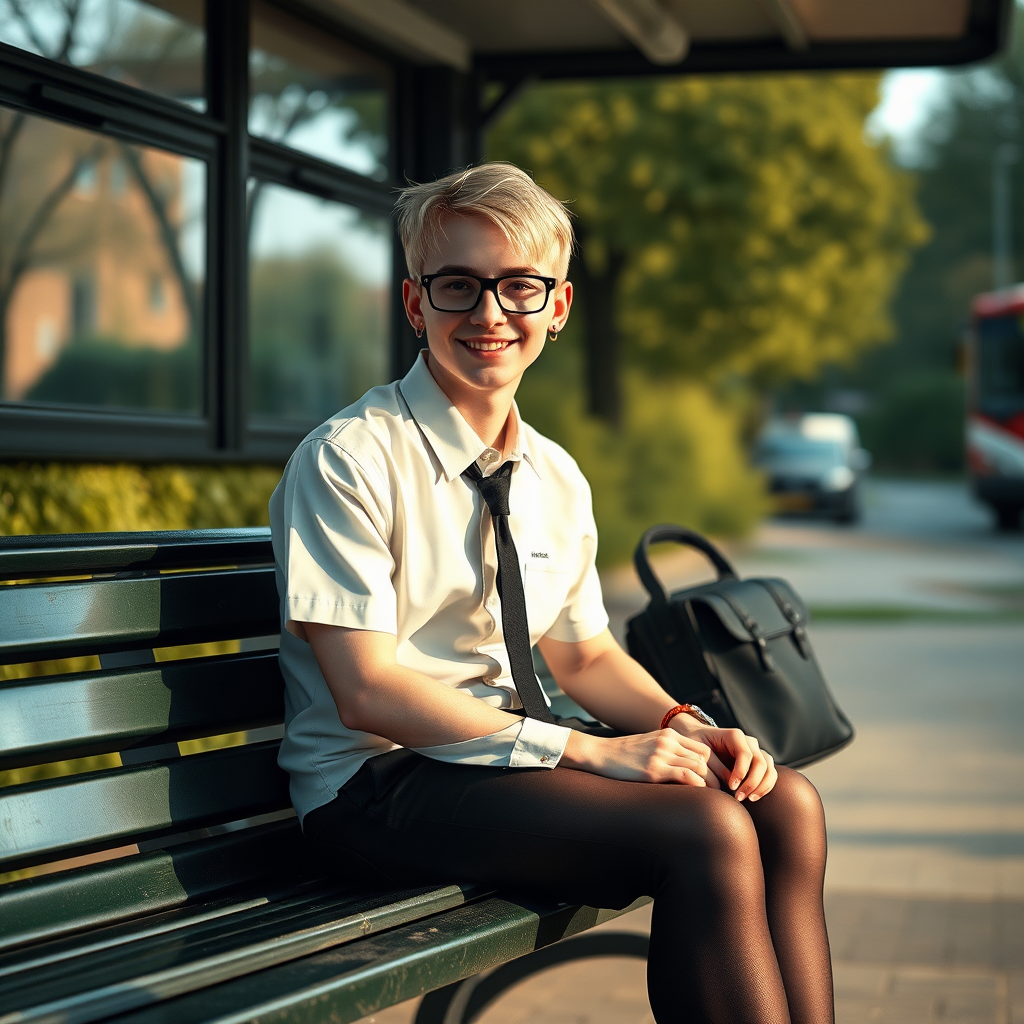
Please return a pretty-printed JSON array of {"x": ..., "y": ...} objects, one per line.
[{"x": 459, "y": 293}]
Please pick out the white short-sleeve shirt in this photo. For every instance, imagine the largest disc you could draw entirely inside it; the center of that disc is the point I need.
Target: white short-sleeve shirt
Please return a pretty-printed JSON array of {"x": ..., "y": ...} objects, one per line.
[{"x": 375, "y": 528}]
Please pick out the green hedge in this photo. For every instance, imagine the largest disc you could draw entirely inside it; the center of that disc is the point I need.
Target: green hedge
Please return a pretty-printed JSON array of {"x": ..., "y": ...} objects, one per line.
[
  {"x": 59, "y": 497},
  {"x": 917, "y": 425}
]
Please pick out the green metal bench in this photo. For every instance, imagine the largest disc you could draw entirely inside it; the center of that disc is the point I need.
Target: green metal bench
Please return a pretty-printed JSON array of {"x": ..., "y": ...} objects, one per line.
[{"x": 199, "y": 902}]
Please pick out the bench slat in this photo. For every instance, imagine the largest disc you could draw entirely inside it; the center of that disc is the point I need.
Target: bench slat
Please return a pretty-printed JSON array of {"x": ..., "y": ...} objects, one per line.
[
  {"x": 177, "y": 941},
  {"x": 214, "y": 951},
  {"x": 79, "y": 554},
  {"x": 356, "y": 979},
  {"x": 81, "y": 813},
  {"x": 66, "y": 619},
  {"x": 59, "y": 717},
  {"x": 53, "y": 906}
]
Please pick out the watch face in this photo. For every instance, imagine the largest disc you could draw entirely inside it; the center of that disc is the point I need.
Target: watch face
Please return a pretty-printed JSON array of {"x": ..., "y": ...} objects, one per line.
[{"x": 701, "y": 716}]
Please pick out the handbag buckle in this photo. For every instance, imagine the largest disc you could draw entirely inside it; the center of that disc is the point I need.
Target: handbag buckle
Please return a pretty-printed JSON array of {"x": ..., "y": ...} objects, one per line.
[{"x": 767, "y": 661}]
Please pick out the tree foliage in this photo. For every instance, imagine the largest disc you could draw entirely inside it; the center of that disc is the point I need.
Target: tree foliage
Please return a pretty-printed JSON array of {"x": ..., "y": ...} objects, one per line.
[
  {"x": 750, "y": 226},
  {"x": 915, "y": 423},
  {"x": 311, "y": 328},
  {"x": 733, "y": 233},
  {"x": 676, "y": 457},
  {"x": 980, "y": 111}
]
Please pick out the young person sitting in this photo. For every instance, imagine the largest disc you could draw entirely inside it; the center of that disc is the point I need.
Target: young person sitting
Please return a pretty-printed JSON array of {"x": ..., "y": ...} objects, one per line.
[{"x": 426, "y": 538}]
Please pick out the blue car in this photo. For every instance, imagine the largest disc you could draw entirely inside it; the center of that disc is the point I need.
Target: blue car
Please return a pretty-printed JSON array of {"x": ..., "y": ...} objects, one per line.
[{"x": 811, "y": 475}]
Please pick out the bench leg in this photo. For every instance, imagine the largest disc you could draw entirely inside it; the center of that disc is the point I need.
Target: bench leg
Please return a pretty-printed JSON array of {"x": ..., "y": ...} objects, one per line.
[{"x": 464, "y": 1001}]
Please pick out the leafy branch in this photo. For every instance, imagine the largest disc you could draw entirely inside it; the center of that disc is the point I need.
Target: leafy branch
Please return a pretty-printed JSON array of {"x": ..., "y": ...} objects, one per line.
[
  {"x": 22, "y": 253},
  {"x": 168, "y": 233}
]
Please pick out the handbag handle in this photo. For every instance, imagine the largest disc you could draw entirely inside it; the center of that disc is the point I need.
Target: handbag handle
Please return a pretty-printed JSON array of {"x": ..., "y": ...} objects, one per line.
[{"x": 680, "y": 535}]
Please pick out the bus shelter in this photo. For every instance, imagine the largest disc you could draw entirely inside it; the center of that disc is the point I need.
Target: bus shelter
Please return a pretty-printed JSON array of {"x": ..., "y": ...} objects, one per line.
[{"x": 196, "y": 257}]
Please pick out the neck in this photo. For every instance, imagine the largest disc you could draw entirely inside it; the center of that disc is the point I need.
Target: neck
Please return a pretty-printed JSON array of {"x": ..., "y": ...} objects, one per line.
[{"x": 487, "y": 412}]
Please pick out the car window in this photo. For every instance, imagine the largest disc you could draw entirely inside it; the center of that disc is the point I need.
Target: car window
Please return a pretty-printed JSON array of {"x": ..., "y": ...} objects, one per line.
[{"x": 796, "y": 447}]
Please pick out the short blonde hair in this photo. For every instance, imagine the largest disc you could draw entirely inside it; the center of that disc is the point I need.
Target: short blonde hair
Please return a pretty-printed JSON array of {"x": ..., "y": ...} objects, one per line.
[{"x": 528, "y": 216}]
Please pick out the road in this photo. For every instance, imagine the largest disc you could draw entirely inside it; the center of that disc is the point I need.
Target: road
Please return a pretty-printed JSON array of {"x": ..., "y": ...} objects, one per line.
[{"x": 918, "y": 621}]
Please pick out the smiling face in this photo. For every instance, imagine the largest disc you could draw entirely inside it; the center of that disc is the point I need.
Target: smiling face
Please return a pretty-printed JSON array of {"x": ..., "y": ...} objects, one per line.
[{"x": 484, "y": 350}]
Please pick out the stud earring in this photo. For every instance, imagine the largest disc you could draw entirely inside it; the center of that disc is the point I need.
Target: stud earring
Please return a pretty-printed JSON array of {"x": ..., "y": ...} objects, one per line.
[
  {"x": 553, "y": 332},
  {"x": 419, "y": 331}
]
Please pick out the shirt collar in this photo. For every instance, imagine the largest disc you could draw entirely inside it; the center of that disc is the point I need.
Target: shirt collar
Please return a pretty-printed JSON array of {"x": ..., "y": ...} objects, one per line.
[{"x": 453, "y": 440}]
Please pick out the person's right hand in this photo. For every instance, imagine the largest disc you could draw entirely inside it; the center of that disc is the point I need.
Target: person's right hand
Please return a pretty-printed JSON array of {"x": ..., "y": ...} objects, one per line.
[{"x": 661, "y": 756}]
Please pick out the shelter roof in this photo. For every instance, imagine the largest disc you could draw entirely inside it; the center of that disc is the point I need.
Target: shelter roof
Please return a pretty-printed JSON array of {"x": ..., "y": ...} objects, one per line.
[{"x": 595, "y": 38}]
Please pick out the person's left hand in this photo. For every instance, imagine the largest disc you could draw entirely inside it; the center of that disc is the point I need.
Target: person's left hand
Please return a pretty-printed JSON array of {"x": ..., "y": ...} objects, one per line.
[{"x": 752, "y": 774}]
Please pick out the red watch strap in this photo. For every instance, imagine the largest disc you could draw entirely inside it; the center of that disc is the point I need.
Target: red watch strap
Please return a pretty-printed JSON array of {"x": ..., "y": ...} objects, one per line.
[
  {"x": 670, "y": 714},
  {"x": 680, "y": 709}
]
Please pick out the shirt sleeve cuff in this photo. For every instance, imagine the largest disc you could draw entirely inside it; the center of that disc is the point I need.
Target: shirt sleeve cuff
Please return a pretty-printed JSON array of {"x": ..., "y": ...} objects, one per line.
[
  {"x": 493, "y": 750},
  {"x": 525, "y": 744},
  {"x": 539, "y": 744}
]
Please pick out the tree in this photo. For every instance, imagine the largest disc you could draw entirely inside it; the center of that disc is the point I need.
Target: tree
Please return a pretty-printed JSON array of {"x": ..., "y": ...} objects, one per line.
[
  {"x": 981, "y": 112},
  {"x": 311, "y": 325},
  {"x": 52, "y": 161},
  {"x": 729, "y": 225},
  {"x": 916, "y": 415}
]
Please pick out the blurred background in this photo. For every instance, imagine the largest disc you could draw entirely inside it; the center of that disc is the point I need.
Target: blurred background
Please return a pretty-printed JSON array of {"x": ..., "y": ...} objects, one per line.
[{"x": 751, "y": 249}]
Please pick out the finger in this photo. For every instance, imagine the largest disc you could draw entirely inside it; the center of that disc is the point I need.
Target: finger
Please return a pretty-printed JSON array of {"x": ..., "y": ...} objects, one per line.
[
  {"x": 711, "y": 781},
  {"x": 675, "y": 746},
  {"x": 758, "y": 770},
  {"x": 767, "y": 784},
  {"x": 674, "y": 773},
  {"x": 736, "y": 744},
  {"x": 688, "y": 777},
  {"x": 688, "y": 759},
  {"x": 701, "y": 768},
  {"x": 699, "y": 748},
  {"x": 671, "y": 741},
  {"x": 718, "y": 769}
]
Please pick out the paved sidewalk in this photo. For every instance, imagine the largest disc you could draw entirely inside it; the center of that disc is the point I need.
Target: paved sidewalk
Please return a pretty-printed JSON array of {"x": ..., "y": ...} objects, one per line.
[{"x": 925, "y": 884}]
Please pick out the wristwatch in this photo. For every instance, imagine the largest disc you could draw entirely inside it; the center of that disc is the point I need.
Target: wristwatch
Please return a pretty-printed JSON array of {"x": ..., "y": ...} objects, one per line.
[{"x": 689, "y": 709}]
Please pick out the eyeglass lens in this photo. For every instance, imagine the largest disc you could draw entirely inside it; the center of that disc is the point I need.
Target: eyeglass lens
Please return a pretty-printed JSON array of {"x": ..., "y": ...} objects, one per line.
[{"x": 456, "y": 294}]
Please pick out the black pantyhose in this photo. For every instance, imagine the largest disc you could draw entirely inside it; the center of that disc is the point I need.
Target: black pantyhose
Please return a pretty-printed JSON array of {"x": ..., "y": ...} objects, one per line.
[
  {"x": 738, "y": 933},
  {"x": 790, "y": 826}
]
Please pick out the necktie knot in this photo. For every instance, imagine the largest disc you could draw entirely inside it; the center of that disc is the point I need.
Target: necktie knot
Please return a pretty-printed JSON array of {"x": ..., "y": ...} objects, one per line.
[{"x": 493, "y": 489}]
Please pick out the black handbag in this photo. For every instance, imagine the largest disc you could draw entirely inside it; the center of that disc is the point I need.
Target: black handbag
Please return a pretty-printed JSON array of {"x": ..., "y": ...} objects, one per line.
[{"x": 739, "y": 650}]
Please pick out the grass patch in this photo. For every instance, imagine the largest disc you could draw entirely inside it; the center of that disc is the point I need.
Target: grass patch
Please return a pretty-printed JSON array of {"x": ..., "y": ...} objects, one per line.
[{"x": 905, "y": 613}]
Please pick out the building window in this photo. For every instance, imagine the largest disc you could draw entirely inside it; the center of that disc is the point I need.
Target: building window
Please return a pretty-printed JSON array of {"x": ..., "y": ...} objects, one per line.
[
  {"x": 82, "y": 261},
  {"x": 156, "y": 47},
  {"x": 125, "y": 257},
  {"x": 319, "y": 283},
  {"x": 325, "y": 99}
]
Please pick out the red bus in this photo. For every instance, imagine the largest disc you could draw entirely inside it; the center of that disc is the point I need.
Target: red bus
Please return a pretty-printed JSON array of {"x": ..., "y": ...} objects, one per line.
[{"x": 995, "y": 403}]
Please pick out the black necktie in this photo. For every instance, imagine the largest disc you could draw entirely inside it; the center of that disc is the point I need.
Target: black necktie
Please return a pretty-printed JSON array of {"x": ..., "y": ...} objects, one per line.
[{"x": 494, "y": 490}]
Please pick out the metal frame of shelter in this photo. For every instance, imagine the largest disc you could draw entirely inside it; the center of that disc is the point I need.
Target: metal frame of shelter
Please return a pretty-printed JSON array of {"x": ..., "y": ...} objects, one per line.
[{"x": 437, "y": 119}]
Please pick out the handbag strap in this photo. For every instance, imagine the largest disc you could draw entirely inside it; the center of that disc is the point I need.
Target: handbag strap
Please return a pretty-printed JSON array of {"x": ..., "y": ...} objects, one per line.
[
  {"x": 679, "y": 535},
  {"x": 796, "y": 620}
]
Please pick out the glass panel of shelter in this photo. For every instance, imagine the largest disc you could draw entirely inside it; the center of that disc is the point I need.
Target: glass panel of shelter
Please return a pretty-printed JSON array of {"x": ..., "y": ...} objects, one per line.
[
  {"x": 103, "y": 239},
  {"x": 102, "y": 269},
  {"x": 319, "y": 304},
  {"x": 158, "y": 46},
  {"x": 316, "y": 94}
]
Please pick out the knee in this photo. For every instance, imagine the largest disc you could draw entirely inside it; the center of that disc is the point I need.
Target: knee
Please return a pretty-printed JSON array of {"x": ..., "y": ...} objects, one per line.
[
  {"x": 727, "y": 834},
  {"x": 795, "y": 796},
  {"x": 715, "y": 856},
  {"x": 790, "y": 820}
]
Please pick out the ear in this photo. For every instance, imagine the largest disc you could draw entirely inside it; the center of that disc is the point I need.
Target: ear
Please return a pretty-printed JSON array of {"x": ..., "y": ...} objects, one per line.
[
  {"x": 562, "y": 304},
  {"x": 412, "y": 298}
]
